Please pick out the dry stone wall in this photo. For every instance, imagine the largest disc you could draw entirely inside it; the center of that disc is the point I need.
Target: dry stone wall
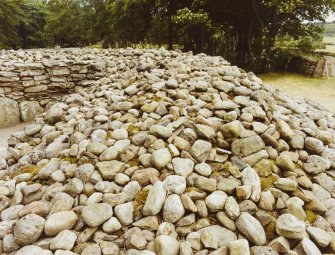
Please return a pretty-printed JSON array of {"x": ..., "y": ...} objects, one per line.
[
  {"x": 40, "y": 74},
  {"x": 303, "y": 65}
]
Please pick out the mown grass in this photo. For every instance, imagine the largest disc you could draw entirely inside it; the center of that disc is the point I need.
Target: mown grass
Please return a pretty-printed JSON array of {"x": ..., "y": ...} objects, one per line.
[{"x": 321, "y": 90}]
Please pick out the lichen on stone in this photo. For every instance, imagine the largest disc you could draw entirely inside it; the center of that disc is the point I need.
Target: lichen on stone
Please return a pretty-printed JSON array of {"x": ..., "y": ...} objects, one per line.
[
  {"x": 132, "y": 130},
  {"x": 72, "y": 160},
  {"x": 310, "y": 216},
  {"x": 267, "y": 182},
  {"x": 139, "y": 200},
  {"x": 270, "y": 230},
  {"x": 33, "y": 170}
]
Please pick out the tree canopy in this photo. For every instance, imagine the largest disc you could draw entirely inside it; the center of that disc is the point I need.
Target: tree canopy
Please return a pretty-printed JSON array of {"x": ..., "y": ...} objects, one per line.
[{"x": 246, "y": 29}]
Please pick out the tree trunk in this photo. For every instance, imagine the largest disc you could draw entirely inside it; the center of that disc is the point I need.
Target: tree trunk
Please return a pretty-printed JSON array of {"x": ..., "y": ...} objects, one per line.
[{"x": 170, "y": 39}]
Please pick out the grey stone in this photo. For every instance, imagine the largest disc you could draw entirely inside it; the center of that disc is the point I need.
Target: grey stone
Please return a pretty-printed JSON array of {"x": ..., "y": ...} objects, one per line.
[
  {"x": 29, "y": 110},
  {"x": 96, "y": 214},
  {"x": 216, "y": 236},
  {"x": 251, "y": 228},
  {"x": 28, "y": 229},
  {"x": 10, "y": 113},
  {"x": 246, "y": 146},
  {"x": 290, "y": 227}
]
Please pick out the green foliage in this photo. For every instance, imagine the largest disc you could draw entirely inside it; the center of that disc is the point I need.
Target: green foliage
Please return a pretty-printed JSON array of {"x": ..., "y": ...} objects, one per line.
[
  {"x": 10, "y": 16},
  {"x": 130, "y": 20},
  {"x": 194, "y": 26},
  {"x": 251, "y": 31},
  {"x": 67, "y": 23},
  {"x": 31, "y": 26},
  {"x": 21, "y": 23}
]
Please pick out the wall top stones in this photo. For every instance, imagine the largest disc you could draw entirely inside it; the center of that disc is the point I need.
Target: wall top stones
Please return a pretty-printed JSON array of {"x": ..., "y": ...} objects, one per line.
[
  {"x": 37, "y": 74},
  {"x": 48, "y": 73}
]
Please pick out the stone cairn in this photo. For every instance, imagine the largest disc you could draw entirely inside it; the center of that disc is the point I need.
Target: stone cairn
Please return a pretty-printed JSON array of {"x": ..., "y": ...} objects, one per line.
[
  {"x": 31, "y": 79},
  {"x": 173, "y": 154}
]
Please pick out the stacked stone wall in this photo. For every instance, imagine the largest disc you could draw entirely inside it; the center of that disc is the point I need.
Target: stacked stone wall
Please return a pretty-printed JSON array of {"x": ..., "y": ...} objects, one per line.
[
  {"x": 303, "y": 65},
  {"x": 45, "y": 74}
]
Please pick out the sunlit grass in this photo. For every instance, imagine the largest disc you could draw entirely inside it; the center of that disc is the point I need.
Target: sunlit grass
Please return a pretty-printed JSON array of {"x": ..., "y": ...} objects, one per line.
[{"x": 321, "y": 90}]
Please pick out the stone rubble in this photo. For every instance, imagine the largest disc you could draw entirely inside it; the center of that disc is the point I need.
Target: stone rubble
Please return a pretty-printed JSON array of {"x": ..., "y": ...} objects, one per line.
[{"x": 168, "y": 153}]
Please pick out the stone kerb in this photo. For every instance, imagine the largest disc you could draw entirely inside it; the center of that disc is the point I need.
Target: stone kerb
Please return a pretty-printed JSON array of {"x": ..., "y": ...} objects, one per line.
[{"x": 33, "y": 78}]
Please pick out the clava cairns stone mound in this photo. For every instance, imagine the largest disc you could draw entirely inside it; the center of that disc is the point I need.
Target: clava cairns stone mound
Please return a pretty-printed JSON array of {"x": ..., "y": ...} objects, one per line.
[{"x": 162, "y": 153}]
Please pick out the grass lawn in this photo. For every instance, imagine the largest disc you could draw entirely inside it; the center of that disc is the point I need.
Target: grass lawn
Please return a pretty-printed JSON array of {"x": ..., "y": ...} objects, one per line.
[
  {"x": 329, "y": 38},
  {"x": 318, "y": 89}
]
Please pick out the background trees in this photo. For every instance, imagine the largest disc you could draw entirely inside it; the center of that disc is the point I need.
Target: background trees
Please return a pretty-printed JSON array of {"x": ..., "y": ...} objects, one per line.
[{"x": 245, "y": 31}]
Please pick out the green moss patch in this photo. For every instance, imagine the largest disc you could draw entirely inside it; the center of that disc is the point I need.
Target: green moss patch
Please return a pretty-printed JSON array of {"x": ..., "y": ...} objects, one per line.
[
  {"x": 267, "y": 182},
  {"x": 310, "y": 216},
  {"x": 139, "y": 200}
]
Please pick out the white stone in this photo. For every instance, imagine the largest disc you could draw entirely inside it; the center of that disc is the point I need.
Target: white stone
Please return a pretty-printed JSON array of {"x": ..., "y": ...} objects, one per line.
[
  {"x": 216, "y": 200},
  {"x": 155, "y": 199},
  {"x": 182, "y": 166},
  {"x": 160, "y": 158},
  {"x": 166, "y": 245},
  {"x": 173, "y": 209},
  {"x": 60, "y": 221},
  {"x": 64, "y": 240},
  {"x": 175, "y": 184}
]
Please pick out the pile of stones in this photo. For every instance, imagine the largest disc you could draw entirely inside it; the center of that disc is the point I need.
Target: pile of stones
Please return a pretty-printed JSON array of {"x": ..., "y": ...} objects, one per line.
[{"x": 175, "y": 154}]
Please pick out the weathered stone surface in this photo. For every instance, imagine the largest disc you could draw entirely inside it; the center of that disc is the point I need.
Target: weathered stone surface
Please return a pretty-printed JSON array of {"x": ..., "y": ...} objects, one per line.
[
  {"x": 216, "y": 236},
  {"x": 200, "y": 150},
  {"x": 28, "y": 229},
  {"x": 155, "y": 199},
  {"x": 10, "y": 113},
  {"x": 59, "y": 221},
  {"x": 160, "y": 158},
  {"x": 173, "y": 209},
  {"x": 96, "y": 214},
  {"x": 33, "y": 249},
  {"x": 306, "y": 246},
  {"x": 246, "y": 146},
  {"x": 166, "y": 245},
  {"x": 64, "y": 240},
  {"x": 29, "y": 110},
  {"x": 251, "y": 228},
  {"x": 290, "y": 227},
  {"x": 109, "y": 169}
]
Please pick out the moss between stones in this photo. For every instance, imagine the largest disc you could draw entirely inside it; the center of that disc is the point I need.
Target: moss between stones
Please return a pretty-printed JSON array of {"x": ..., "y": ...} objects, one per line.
[
  {"x": 219, "y": 169},
  {"x": 189, "y": 189},
  {"x": 133, "y": 162},
  {"x": 109, "y": 135},
  {"x": 139, "y": 200},
  {"x": 31, "y": 169},
  {"x": 119, "y": 233},
  {"x": 80, "y": 247},
  {"x": 270, "y": 231},
  {"x": 132, "y": 130},
  {"x": 72, "y": 160},
  {"x": 157, "y": 99},
  {"x": 81, "y": 161},
  {"x": 267, "y": 182},
  {"x": 310, "y": 216},
  {"x": 86, "y": 160}
]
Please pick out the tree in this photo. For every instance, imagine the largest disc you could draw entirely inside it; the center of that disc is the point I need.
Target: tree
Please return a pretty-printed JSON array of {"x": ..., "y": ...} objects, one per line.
[
  {"x": 10, "y": 16},
  {"x": 255, "y": 24},
  {"x": 67, "y": 23},
  {"x": 131, "y": 20},
  {"x": 31, "y": 27}
]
